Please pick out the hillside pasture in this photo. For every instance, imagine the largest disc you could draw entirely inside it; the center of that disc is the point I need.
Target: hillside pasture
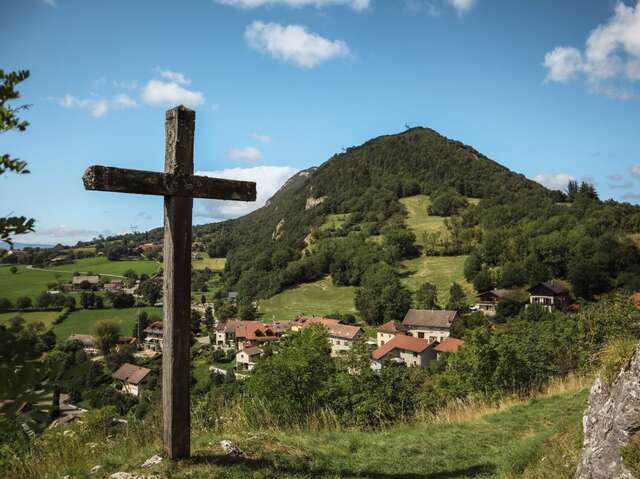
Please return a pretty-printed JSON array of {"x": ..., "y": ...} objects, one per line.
[
  {"x": 27, "y": 281},
  {"x": 317, "y": 298},
  {"x": 439, "y": 270},
  {"x": 333, "y": 222},
  {"x": 102, "y": 265},
  {"x": 214, "y": 264},
  {"x": 45, "y": 317},
  {"x": 84, "y": 321}
]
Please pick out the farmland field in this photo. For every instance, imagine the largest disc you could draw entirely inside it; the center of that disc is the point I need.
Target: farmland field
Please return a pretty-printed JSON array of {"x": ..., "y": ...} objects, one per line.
[
  {"x": 101, "y": 265},
  {"x": 317, "y": 298},
  {"x": 215, "y": 264},
  {"x": 418, "y": 220},
  {"x": 83, "y": 321},
  {"x": 439, "y": 270},
  {"x": 46, "y": 317},
  {"x": 27, "y": 282}
]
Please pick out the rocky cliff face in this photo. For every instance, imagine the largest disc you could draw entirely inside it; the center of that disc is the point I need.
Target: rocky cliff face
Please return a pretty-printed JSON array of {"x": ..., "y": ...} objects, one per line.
[{"x": 611, "y": 419}]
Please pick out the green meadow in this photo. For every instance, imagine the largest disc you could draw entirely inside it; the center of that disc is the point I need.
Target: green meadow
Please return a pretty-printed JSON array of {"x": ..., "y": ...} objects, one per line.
[
  {"x": 215, "y": 264},
  {"x": 27, "y": 282},
  {"x": 317, "y": 298},
  {"x": 83, "y": 321},
  {"x": 45, "y": 317},
  {"x": 438, "y": 270},
  {"x": 101, "y": 265}
]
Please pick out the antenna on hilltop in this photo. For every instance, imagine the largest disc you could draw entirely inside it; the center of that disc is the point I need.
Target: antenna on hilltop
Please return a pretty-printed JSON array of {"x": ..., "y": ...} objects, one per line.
[{"x": 407, "y": 126}]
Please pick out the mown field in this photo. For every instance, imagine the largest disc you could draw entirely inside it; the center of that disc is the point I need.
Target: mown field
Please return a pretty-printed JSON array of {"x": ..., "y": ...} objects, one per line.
[
  {"x": 215, "y": 264},
  {"x": 518, "y": 441},
  {"x": 84, "y": 321},
  {"x": 45, "y": 317},
  {"x": 317, "y": 298},
  {"x": 101, "y": 265},
  {"x": 418, "y": 220},
  {"x": 27, "y": 282}
]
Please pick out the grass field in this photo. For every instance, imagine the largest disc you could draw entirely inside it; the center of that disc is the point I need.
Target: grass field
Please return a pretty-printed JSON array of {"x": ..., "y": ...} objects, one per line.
[
  {"x": 215, "y": 264},
  {"x": 317, "y": 298},
  {"x": 101, "y": 265},
  {"x": 504, "y": 444},
  {"x": 27, "y": 282},
  {"x": 418, "y": 220},
  {"x": 334, "y": 221},
  {"x": 439, "y": 270},
  {"x": 83, "y": 321},
  {"x": 45, "y": 317}
]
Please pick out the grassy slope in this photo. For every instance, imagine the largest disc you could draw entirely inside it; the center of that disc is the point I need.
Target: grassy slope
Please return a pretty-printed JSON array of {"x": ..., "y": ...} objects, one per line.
[
  {"x": 318, "y": 298},
  {"x": 83, "y": 321},
  {"x": 215, "y": 264},
  {"x": 502, "y": 444},
  {"x": 439, "y": 270}
]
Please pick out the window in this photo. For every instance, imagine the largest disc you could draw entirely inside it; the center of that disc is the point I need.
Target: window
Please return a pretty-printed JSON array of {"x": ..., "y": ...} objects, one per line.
[
  {"x": 415, "y": 355},
  {"x": 421, "y": 335}
]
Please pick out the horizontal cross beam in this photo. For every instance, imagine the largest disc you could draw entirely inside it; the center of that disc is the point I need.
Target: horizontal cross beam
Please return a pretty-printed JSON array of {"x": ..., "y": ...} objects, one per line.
[{"x": 123, "y": 180}]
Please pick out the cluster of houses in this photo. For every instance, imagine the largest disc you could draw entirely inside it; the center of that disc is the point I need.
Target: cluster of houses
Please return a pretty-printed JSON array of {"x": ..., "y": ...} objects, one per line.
[{"x": 549, "y": 295}]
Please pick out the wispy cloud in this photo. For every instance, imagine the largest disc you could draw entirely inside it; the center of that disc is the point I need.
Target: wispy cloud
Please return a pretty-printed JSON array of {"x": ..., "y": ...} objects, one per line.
[
  {"x": 97, "y": 107},
  {"x": 554, "y": 182},
  {"x": 269, "y": 179},
  {"x": 358, "y": 5},
  {"x": 262, "y": 138},
  {"x": 609, "y": 65},
  {"x": 293, "y": 43},
  {"x": 177, "y": 77},
  {"x": 248, "y": 153},
  {"x": 462, "y": 6},
  {"x": 635, "y": 170}
]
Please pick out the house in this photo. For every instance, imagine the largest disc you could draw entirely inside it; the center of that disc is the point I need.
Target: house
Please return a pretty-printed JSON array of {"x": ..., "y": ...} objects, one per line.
[
  {"x": 131, "y": 377},
  {"x": 236, "y": 334},
  {"x": 550, "y": 295},
  {"x": 112, "y": 286},
  {"x": 88, "y": 343},
  {"x": 144, "y": 247},
  {"x": 407, "y": 350},
  {"x": 487, "y": 302},
  {"x": 79, "y": 282},
  {"x": 154, "y": 336},
  {"x": 246, "y": 359},
  {"x": 126, "y": 341},
  {"x": 449, "y": 345},
  {"x": 388, "y": 331},
  {"x": 430, "y": 324},
  {"x": 341, "y": 336}
]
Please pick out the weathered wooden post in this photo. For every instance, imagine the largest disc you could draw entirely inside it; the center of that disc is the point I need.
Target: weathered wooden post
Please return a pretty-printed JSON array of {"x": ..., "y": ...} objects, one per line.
[{"x": 179, "y": 186}]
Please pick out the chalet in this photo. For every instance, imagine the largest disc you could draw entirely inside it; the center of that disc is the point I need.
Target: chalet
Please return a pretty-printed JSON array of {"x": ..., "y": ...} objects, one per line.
[
  {"x": 388, "y": 331},
  {"x": 154, "y": 336},
  {"x": 449, "y": 345},
  {"x": 88, "y": 343},
  {"x": 407, "y": 350},
  {"x": 131, "y": 377},
  {"x": 550, "y": 295},
  {"x": 430, "y": 324},
  {"x": 226, "y": 335},
  {"x": 236, "y": 334},
  {"x": 341, "y": 336},
  {"x": 247, "y": 358},
  {"x": 487, "y": 302},
  {"x": 80, "y": 282}
]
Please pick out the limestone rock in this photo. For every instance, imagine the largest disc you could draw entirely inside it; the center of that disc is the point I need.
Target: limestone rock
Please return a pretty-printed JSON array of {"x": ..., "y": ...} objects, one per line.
[
  {"x": 231, "y": 449},
  {"x": 611, "y": 419},
  {"x": 152, "y": 461},
  {"x": 312, "y": 202}
]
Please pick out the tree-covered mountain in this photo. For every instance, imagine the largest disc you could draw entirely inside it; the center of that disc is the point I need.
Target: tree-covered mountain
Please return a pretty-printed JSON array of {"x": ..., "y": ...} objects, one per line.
[{"x": 518, "y": 227}]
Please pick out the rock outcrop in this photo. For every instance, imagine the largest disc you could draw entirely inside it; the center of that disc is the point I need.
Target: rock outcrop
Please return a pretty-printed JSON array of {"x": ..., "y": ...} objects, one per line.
[{"x": 611, "y": 419}]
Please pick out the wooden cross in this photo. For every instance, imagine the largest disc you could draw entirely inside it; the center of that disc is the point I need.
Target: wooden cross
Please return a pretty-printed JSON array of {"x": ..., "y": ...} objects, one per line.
[{"x": 179, "y": 186}]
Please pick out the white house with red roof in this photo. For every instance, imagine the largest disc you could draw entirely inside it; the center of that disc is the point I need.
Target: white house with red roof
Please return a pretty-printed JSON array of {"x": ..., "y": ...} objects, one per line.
[
  {"x": 341, "y": 336},
  {"x": 431, "y": 324},
  {"x": 407, "y": 350}
]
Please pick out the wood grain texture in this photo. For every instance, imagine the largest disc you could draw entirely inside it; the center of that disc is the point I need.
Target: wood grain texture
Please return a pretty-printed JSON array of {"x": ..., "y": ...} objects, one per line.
[
  {"x": 176, "y": 356},
  {"x": 125, "y": 180}
]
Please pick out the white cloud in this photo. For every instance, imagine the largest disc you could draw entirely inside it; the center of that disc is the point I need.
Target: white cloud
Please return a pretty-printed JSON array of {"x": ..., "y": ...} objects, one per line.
[
  {"x": 269, "y": 179},
  {"x": 262, "y": 138},
  {"x": 635, "y": 170},
  {"x": 358, "y": 5},
  {"x": 124, "y": 101},
  {"x": 554, "y": 182},
  {"x": 176, "y": 77},
  {"x": 97, "y": 107},
  {"x": 248, "y": 153},
  {"x": 610, "y": 61},
  {"x": 157, "y": 92},
  {"x": 293, "y": 43},
  {"x": 462, "y": 6}
]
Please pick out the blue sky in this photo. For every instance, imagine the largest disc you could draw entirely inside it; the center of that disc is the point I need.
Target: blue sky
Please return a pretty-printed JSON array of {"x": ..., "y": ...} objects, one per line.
[{"x": 550, "y": 89}]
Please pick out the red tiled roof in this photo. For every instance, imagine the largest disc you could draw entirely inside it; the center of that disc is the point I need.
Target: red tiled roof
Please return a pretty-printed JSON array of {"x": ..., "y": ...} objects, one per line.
[
  {"x": 335, "y": 327},
  {"x": 406, "y": 343},
  {"x": 391, "y": 327},
  {"x": 254, "y": 331},
  {"x": 449, "y": 345}
]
